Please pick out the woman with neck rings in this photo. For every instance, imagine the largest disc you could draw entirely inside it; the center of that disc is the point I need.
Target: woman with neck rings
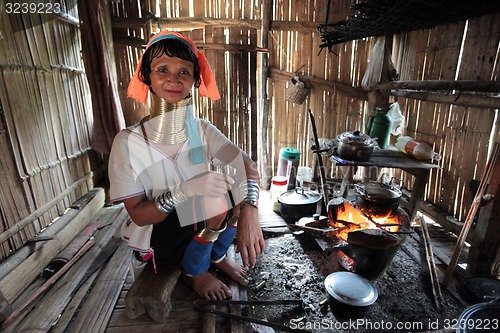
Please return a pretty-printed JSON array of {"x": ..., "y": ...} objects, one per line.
[{"x": 181, "y": 211}]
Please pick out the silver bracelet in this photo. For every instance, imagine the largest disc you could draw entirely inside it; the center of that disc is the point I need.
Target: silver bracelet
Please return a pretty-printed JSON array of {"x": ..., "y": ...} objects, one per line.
[
  {"x": 161, "y": 205},
  {"x": 178, "y": 195},
  {"x": 167, "y": 201},
  {"x": 249, "y": 192}
]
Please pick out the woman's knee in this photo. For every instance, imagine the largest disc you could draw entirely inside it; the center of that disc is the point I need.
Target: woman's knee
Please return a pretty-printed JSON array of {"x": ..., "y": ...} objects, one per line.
[{"x": 215, "y": 210}]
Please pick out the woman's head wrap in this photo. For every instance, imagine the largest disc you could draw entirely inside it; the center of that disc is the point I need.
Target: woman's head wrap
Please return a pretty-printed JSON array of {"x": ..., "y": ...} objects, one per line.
[{"x": 208, "y": 87}]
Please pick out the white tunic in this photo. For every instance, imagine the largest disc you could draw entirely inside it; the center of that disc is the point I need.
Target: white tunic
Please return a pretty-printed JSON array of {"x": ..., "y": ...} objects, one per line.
[{"x": 138, "y": 167}]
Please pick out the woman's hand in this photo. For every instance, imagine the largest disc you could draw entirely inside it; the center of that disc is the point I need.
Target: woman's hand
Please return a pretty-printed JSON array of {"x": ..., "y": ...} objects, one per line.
[
  {"x": 210, "y": 183},
  {"x": 250, "y": 242}
]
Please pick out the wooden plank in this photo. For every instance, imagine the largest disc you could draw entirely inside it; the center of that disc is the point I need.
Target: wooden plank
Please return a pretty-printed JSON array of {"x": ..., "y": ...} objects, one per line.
[
  {"x": 5, "y": 308},
  {"x": 45, "y": 314},
  {"x": 191, "y": 23},
  {"x": 94, "y": 315},
  {"x": 40, "y": 291},
  {"x": 447, "y": 85},
  {"x": 22, "y": 275},
  {"x": 69, "y": 312}
]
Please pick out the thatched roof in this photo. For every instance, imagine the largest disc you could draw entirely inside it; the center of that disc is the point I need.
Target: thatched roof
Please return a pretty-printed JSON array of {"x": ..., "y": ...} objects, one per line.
[{"x": 387, "y": 17}]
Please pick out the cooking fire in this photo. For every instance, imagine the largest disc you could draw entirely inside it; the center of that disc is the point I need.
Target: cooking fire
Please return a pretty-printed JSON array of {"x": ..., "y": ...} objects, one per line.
[
  {"x": 370, "y": 242},
  {"x": 346, "y": 217}
]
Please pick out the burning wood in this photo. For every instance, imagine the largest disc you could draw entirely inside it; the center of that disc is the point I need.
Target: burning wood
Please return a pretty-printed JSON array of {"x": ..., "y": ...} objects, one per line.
[{"x": 343, "y": 214}]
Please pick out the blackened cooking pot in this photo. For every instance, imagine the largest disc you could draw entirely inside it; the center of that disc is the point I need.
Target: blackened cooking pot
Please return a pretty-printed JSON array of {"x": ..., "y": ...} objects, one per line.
[
  {"x": 298, "y": 203},
  {"x": 354, "y": 146},
  {"x": 377, "y": 199},
  {"x": 350, "y": 295}
]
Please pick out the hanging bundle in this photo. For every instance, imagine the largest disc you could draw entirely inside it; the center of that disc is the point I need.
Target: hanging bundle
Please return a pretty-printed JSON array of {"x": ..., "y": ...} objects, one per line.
[{"x": 297, "y": 91}]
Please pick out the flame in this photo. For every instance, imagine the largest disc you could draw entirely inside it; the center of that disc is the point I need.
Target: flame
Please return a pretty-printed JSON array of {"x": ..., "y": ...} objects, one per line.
[{"x": 348, "y": 218}]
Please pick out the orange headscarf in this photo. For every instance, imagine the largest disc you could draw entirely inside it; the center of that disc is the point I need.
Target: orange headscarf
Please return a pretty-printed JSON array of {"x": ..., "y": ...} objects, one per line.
[{"x": 208, "y": 87}]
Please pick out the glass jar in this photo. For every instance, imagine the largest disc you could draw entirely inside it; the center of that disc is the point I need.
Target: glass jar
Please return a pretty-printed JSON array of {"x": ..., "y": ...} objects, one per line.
[{"x": 279, "y": 185}]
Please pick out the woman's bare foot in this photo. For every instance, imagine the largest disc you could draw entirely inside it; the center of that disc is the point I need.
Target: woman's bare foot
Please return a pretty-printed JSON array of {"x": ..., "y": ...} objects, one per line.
[
  {"x": 208, "y": 286},
  {"x": 233, "y": 270}
]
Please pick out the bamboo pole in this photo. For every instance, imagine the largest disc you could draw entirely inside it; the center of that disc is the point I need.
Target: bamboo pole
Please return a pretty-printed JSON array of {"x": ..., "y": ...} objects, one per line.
[
  {"x": 267, "y": 6},
  {"x": 40, "y": 291},
  {"x": 476, "y": 101},
  {"x": 20, "y": 276},
  {"x": 4, "y": 236},
  {"x": 429, "y": 254},
  {"x": 465, "y": 85},
  {"x": 190, "y": 23},
  {"x": 470, "y": 216},
  {"x": 342, "y": 88},
  {"x": 5, "y": 308}
]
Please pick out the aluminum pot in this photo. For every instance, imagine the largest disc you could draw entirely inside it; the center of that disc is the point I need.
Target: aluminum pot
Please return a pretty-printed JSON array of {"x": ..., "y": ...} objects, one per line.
[
  {"x": 298, "y": 203},
  {"x": 354, "y": 146},
  {"x": 479, "y": 317},
  {"x": 377, "y": 199},
  {"x": 350, "y": 295}
]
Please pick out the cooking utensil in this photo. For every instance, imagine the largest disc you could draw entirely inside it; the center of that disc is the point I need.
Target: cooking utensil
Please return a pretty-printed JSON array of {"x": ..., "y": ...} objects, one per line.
[
  {"x": 479, "y": 317},
  {"x": 202, "y": 305},
  {"x": 297, "y": 203},
  {"x": 319, "y": 158},
  {"x": 377, "y": 199},
  {"x": 350, "y": 295},
  {"x": 482, "y": 288},
  {"x": 355, "y": 146}
]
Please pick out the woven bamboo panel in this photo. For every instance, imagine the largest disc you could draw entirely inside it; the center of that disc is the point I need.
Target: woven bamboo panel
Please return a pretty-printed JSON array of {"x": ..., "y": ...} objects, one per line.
[
  {"x": 297, "y": 52},
  {"x": 432, "y": 54},
  {"x": 462, "y": 135},
  {"x": 48, "y": 121}
]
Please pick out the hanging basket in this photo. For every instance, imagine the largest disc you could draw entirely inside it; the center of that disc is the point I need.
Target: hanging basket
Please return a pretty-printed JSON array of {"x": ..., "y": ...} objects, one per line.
[{"x": 297, "y": 91}]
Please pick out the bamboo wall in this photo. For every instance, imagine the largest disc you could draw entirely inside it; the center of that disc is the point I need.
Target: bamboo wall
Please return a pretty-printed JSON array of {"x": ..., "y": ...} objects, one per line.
[
  {"x": 336, "y": 101},
  {"x": 335, "y": 110},
  {"x": 462, "y": 135},
  {"x": 46, "y": 124},
  {"x": 235, "y": 70},
  {"x": 45, "y": 108}
]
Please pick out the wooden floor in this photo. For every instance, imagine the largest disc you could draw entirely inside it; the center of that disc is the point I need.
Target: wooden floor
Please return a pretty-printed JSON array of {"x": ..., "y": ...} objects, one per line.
[
  {"x": 98, "y": 304},
  {"x": 183, "y": 317}
]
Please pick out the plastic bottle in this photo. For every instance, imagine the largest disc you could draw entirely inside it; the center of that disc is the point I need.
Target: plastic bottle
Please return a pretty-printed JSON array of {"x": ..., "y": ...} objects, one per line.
[
  {"x": 288, "y": 164},
  {"x": 279, "y": 184},
  {"x": 419, "y": 150}
]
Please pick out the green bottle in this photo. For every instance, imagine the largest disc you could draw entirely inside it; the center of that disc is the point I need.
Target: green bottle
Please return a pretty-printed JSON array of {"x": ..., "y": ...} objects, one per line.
[{"x": 378, "y": 126}]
